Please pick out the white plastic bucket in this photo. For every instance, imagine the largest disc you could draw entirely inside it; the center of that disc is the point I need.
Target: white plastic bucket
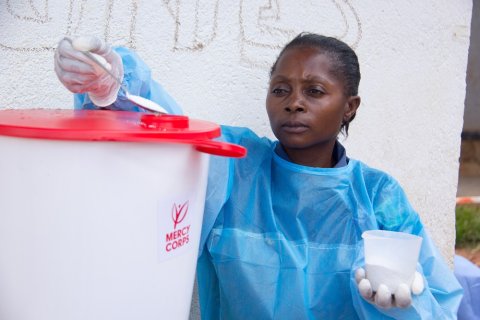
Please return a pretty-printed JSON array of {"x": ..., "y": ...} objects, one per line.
[{"x": 98, "y": 230}]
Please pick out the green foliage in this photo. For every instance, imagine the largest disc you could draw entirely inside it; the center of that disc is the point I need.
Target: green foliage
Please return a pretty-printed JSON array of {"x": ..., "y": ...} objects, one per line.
[{"x": 467, "y": 225}]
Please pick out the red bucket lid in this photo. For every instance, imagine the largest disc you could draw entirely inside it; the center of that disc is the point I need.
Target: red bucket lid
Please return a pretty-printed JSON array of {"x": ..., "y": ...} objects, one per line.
[{"x": 105, "y": 125}]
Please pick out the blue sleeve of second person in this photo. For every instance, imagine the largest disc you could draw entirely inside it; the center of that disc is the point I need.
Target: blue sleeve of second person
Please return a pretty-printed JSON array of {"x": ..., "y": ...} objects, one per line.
[{"x": 138, "y": 79}]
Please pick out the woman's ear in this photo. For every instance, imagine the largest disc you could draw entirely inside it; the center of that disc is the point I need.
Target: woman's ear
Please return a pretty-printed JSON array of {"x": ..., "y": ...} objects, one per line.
[{"x": 351, "y": 107}]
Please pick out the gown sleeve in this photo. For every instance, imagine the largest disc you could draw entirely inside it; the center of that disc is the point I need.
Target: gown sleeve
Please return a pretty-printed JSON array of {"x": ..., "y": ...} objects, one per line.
[
  {"x": 137, "y": 78},
  {"x": 442, "y": 295}
]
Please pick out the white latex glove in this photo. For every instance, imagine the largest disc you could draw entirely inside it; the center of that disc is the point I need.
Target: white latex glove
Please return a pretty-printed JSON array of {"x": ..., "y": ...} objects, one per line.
[
  {"x": 385, "y": 299},
  {"x": 80, "y": 75}
]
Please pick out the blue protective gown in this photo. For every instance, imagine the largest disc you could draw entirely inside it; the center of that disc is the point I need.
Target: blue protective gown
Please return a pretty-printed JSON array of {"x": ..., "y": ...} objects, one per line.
[{"x": 282, "y": 241}]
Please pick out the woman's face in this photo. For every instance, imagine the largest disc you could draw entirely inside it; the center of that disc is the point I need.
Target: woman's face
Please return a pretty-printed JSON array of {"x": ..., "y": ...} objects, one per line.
[{"x": 306, "y": 103}]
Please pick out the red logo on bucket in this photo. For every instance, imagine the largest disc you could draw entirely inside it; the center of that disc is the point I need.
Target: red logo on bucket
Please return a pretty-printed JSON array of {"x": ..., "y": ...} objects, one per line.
[
  {"x": 178, "y": 238},
  {"x": 179, "y": 212}
]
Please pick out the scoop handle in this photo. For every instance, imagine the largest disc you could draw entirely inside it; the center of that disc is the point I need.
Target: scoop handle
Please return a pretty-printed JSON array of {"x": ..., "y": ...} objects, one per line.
[{"x": 218, "y": 148}]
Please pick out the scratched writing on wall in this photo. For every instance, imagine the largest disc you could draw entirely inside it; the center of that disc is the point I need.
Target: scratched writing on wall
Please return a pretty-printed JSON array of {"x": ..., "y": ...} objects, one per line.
[{"x": 263, "y": 26}]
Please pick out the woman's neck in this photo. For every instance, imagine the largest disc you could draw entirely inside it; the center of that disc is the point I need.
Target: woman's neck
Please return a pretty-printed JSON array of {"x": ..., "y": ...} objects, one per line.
[{"x": 319, "y": 156}]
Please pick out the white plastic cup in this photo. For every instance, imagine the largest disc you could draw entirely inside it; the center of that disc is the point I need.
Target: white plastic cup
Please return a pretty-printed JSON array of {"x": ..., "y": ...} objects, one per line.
[{"x": 390, "y": 257}]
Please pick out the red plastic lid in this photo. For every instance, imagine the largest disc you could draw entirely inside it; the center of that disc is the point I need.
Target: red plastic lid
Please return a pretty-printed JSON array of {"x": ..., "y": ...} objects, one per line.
[{"x": 104, "y": 125}]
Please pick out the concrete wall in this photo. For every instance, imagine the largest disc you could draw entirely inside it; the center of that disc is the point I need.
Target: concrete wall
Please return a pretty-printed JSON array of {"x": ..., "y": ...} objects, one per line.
[{"x": 213, "y": 56}]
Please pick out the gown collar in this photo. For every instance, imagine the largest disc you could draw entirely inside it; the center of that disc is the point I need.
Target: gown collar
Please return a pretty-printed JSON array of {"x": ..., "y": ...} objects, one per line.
[{"x": 339, "y": 154}]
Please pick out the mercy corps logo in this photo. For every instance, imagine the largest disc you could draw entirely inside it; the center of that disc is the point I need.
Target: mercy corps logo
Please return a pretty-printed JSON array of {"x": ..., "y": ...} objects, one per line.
[{"x": 178, "y": 237}]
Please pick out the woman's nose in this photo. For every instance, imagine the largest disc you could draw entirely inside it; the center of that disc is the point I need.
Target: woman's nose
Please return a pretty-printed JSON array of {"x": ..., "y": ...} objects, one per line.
[{"x": 296, "y": 103}]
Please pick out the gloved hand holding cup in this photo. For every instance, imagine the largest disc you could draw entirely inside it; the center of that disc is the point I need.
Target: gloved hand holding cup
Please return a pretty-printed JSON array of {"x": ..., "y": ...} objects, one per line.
[
  {"x": 390, "y": 275},
  {"x": 80, "y": 75}
]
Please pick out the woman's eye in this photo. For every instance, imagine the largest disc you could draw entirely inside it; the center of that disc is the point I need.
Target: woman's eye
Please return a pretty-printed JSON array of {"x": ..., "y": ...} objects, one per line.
[
  {"x": 279, "y": 91},
  {"x": 315, "y": 91}
]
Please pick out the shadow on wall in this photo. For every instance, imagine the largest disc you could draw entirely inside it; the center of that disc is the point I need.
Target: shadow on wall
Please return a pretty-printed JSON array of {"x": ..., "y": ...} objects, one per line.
[{"x": 469, "y": 174}]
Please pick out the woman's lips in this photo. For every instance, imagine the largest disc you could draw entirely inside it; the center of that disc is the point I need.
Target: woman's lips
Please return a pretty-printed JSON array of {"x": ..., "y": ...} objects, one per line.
[{"x": 294, "y": 127}]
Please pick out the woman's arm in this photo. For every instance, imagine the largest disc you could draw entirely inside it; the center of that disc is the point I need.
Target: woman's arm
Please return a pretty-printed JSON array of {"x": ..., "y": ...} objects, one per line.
[
  {"x": 138, "y": 79},
  {"x": 442, "y": 295}
]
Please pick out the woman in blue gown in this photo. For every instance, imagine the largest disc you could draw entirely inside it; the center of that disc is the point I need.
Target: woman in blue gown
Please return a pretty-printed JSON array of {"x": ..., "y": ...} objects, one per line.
[{"x": 282, "y": 228}]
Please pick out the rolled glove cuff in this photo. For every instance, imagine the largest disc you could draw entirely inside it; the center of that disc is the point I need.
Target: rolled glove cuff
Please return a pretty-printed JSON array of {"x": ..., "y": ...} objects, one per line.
[{"x": 104, "y": 97}]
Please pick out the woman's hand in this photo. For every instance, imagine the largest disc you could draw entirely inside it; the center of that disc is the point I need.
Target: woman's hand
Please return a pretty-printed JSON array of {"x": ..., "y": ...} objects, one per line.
[
  {"x": 383, "y": 298},
  {"x": 79, "y": 74}
]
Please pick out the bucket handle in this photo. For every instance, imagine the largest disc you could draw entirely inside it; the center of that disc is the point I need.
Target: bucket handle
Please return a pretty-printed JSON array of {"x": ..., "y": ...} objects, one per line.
[{"x": 218, "y": 148}]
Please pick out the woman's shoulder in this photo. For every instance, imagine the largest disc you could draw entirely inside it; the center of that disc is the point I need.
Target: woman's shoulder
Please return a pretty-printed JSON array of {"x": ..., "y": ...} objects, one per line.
[
  {"x": 390, "y": 203},
  {"x": 259, "y": 149},
  {"x": 377, "y": 182},
  {"x": 371, "y": 173}
]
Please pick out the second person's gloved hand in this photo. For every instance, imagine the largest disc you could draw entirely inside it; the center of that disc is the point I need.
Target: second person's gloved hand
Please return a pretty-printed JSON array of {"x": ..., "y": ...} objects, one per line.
[
  {"x": 80, "y": 75},
  {"x": 385, "y": 299}
]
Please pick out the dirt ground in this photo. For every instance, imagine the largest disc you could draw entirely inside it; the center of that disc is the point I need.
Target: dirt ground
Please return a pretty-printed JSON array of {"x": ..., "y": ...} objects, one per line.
[{"x": 472, "y": 254}]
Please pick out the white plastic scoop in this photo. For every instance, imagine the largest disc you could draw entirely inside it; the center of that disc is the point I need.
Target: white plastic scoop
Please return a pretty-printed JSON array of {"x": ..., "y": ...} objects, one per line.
[{"x": 138, "y": 100}]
